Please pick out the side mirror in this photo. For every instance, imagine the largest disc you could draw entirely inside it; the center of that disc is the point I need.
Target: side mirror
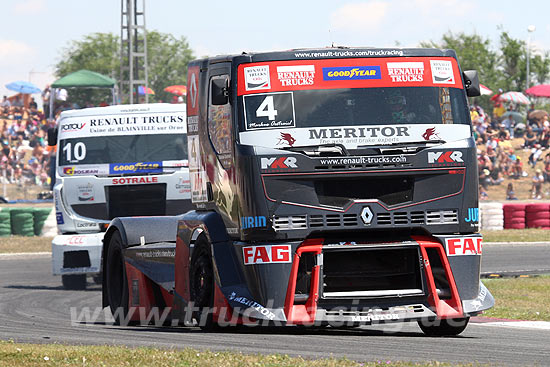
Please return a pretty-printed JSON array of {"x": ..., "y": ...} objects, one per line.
[
  {"x": 471, "y": 82},
  {"x": 220, "y": 91},
  {"x": 52, "y": 136}
]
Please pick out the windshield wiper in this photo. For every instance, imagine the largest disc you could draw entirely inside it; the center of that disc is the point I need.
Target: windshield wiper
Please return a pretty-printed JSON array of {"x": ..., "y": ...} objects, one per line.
[
  {"x": 319, "y": 150},
  {"x": 404, "y": 143}
]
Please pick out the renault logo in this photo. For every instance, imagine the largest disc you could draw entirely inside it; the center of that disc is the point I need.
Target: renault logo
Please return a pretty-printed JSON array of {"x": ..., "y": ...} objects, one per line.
[{"x": 366, "y": 215}]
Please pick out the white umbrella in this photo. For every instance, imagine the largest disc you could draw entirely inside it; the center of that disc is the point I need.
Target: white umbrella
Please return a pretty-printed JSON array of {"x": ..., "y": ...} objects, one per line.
[{"x": 484, "y": 90}]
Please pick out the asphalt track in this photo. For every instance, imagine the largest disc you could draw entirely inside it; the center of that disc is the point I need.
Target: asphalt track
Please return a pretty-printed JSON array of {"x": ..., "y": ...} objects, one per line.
[{"x": 35, "y": 308}]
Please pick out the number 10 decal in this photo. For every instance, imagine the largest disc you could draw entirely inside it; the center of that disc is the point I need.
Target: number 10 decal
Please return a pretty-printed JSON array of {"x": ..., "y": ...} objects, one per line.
[
  {"x": 79, "y": 152},
  {"x": 269, "y": 111}
]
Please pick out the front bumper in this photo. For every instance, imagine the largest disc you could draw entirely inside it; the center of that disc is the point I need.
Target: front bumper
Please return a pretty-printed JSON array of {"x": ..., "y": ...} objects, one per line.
[
  {"x": 317, "y": 287},
  {"x": 77, "y": 254}
]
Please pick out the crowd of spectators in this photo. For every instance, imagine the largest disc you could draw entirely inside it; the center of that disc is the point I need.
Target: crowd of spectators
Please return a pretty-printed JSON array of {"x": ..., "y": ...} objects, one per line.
[
  {"x": 502, "y": 139},
  {"x": 25, "y": 156}
]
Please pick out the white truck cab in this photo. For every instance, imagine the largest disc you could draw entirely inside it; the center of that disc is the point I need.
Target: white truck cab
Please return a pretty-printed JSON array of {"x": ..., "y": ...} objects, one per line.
[{"x": 125, "y": 160}]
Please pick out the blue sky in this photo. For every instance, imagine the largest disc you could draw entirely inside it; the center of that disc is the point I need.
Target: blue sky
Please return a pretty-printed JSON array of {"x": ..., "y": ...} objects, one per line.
[{"x": 33, "y": 33}]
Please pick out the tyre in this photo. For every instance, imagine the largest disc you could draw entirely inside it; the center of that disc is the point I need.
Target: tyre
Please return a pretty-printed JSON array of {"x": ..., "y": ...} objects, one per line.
[
  {"x": 74, "y": 281},
  {"x": 539, "y": 207},
  {"x": 97, "y": 279},
  {"x": 513, "y": 207},
  {"x": 539, "y": 215},
  {"x": 493, "y": 211},
  {"x": 201, "y": 280},
  {"x": 539, "y": 223},
  {"x": 117, "y": 283},
  {"x": 445, "y": 327}
]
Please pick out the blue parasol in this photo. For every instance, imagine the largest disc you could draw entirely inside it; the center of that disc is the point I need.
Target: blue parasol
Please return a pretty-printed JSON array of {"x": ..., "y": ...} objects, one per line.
[{"x": 23, "y": 87}]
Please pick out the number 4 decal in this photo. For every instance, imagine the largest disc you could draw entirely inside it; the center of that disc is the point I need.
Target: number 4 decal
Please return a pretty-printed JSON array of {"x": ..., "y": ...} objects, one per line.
[{"x": 267, "y": 109}]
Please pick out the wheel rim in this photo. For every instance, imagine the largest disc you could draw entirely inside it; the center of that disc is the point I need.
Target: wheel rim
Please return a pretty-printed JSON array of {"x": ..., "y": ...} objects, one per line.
[{"x": 202, "y": 281}]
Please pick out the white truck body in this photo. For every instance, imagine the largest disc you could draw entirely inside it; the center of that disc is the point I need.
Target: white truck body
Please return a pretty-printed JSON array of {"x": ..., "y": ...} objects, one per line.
[{"x": 125, "y": 160}]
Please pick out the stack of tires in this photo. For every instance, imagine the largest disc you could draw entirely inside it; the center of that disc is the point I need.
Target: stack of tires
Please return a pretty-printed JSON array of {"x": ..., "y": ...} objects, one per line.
[
  {"x": 22, "y": 221},
  {"x": 492, "y": 217},
  {"x": 514, "y": 215},
  {"x": 537, "y": 215},
  {"x": 5, "y": 222},
  {"x": 39, "y": 216}
]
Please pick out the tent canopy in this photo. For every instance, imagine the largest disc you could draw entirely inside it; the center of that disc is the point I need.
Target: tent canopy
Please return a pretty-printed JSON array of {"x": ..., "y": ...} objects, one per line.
[{"x": 84, "y": 79}]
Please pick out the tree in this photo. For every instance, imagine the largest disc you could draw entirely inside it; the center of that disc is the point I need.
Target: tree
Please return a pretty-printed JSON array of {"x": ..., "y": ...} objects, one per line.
[
  {"x": 96, "y": 52},
  {"x": 541, "y": 67},
  {"x": 473, "y": 53},
  {"x": 513, "y": 62},
  {"x": 168, "y": 57}
]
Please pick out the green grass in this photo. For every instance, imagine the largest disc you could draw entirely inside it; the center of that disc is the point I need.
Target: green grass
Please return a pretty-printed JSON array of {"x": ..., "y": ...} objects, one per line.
[
  {"x": 15, "y": 244},
  {"x": 30, "y": 355},
  {"x": 520, "y": 298},
  {"x": 517, "y": 235}
]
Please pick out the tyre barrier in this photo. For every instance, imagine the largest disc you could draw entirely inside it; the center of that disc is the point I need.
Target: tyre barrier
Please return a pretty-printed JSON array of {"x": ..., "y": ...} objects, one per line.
[
  {"x": 492, "y": 217},
  {"x": 5, "y": 222},
  {"x": 39, "y": 216},
  {"x": 537, "y": 215},
  {"x": 22, "y": 221},
  {"x": 514, "y": 215}
]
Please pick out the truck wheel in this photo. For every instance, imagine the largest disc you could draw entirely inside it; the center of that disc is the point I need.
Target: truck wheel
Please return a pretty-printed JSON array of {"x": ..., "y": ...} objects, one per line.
[
  {"x": 444, "y": 327},
  {"x": 117, "y": 284},
  {"x": 98, "y": 279},
  {"x": 74, "y": 281},
  {"x": 201, "y": 280}
]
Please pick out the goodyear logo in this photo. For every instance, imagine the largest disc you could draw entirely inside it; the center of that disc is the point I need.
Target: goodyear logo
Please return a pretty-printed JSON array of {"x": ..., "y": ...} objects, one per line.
[
  {"x": 139, "y": 167},
  {"x": 352, "y": 73}
]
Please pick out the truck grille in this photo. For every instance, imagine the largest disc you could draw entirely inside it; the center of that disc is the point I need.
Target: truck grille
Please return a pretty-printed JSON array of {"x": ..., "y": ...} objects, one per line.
[
  {"x": 136, "y": 200},
  {"x": 371, "y": 272},
  {"x": 428, "y": 217}
]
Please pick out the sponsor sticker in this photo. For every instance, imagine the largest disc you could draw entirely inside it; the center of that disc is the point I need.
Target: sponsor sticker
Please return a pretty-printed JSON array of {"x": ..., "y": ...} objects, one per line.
[
  {"x": 253, "y": 222},
  {"x": 405, "y": 72},
  {"x": 442, "y": 72},
  {"x": 274, "y": 163},
  {"x": 464, "y": 246},
  {"x": 450, "y": 157},
  {"x": 352, "y": 73},
  {"x": 85, "y": 192},
  {"x": 183, "y": 186},
  {"x": 139, "y": 167},
  {"x": 134, "y": 180},
  {"x": 473, "y": 215},
  {"x": 266, "y": 254},
  {"x": 72, "y": 127},
  {"x": 255, "y": 305},
  {"x": 59, "y": 218},
  {"x": 269, "y": 111},
  {"x": 78, "y": 171},
  {"x": 296, "y": 75},
  {"x": 257, "y": 77}
]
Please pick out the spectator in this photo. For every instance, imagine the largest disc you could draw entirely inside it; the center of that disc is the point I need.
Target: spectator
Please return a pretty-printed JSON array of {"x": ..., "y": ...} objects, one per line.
[
  {"x": 530, "y": 138},
  {"x": 5, "y": 106},
  {"x": 517, "y": 169},
  {"x": 510, "y": 194},
  {"x": 536, "y": 152},
  {"x": 509, "y": 124},
  {"x": 546, "y": 168},
  {"x": 536, "y": 187}
]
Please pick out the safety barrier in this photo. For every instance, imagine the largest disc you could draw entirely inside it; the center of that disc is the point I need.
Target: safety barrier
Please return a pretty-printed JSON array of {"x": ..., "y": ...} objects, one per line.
[
  {"x": 513, "y": 215},
  {"x": 23, "y": 221}
]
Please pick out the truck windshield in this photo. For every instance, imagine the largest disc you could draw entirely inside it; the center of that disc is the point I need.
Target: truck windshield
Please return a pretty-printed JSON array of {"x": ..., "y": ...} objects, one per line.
[
  {"x": 355, "y": 107},
  {"x": 122, "y": 149}
]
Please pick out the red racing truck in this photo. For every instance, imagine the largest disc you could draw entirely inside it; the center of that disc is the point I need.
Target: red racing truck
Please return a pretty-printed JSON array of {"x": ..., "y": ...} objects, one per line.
[{"x": 335, "y": 186}]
